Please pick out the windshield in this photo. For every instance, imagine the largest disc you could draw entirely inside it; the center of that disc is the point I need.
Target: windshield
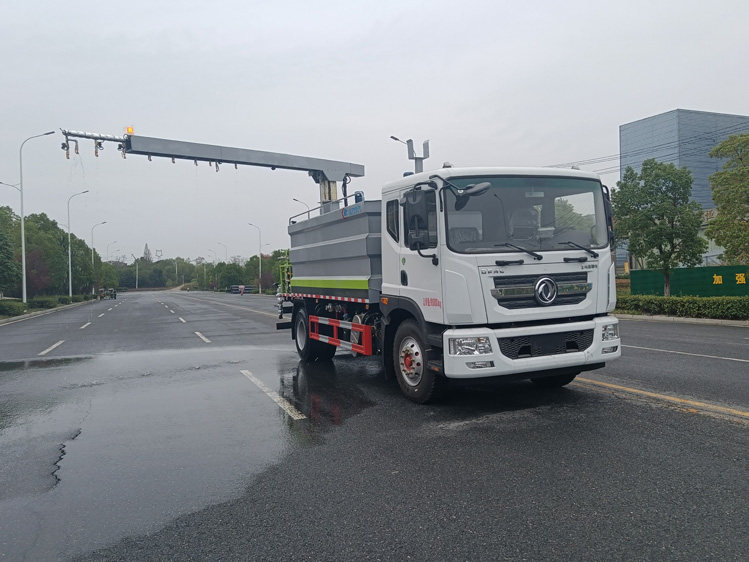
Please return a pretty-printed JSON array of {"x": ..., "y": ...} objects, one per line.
[{"x": 532, "y": 212}]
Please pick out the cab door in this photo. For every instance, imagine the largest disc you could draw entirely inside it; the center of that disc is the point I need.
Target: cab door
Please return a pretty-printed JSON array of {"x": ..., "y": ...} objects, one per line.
[{"x": 420, "y": 275}]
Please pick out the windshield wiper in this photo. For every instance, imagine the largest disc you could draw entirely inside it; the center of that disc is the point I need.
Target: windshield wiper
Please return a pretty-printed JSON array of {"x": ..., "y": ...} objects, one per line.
[
  {"x": 539, "y": 257},
  {"x": 579, "y": 247}
]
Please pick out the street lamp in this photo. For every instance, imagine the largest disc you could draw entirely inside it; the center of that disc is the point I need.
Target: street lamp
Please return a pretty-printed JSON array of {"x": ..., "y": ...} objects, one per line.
[
  {"x": 23, "y": 227},
  {"x": 226, "y": 250},
  {"x": 303, "y": 203},
  {"x": 70, "y": 255},
  {"x": 92, "y": 239},
  {"x": 93, "y": 265},
  {"x": 418, "y": 160},
  {"x": 259, "y": 258},
  {"x": 108, "y": 245}
]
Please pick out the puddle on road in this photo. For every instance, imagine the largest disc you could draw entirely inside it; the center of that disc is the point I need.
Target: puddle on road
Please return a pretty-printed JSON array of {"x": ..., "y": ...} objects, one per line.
[{"x": 327, "y": 393}]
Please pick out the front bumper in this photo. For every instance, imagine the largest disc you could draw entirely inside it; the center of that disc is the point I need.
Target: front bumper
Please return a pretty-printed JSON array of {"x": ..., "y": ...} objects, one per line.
[{"x": 498, "y": 364}]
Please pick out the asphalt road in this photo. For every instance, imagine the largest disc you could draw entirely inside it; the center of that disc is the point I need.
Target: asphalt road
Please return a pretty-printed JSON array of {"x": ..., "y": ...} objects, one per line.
[{"x": 180, "y": 426}]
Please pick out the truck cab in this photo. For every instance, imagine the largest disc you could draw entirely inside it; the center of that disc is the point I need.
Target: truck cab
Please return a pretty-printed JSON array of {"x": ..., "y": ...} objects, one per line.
[{"x": 508, "y": 272}]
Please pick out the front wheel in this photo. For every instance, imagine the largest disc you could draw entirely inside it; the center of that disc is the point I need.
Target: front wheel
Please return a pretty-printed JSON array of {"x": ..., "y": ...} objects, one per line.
[
  {"x": 555, "y": 381},
  {"x": 417, "y": 383}
]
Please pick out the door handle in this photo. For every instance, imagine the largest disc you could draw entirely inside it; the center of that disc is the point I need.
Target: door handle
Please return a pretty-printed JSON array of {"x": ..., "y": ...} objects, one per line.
[{"x": 404, "y": 277}]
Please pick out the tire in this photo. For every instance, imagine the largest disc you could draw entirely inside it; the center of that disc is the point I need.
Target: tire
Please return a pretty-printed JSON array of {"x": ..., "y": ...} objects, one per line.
[
  {"x": 305, "y": 347},
  {"x": 417, "y": 383},
  {"x": 555, "y": 381},
  {"x": 325, "y": 351}
]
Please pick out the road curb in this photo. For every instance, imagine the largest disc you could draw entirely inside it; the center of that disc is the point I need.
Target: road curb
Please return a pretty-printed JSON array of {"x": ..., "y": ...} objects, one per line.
[
  {"x": 680, "y": 320},
  {"x": 42, "y": 312}
]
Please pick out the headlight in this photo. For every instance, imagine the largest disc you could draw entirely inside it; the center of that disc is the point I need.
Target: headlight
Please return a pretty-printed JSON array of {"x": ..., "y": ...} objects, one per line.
[
  {"x": 610, "y": 332},
  {"x": 469, "y": 346}
]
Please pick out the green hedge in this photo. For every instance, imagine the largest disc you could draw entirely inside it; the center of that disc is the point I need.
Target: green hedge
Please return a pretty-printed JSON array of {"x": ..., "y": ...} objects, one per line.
[
  {"x": 42, "y": 302},
  {"x": 77, "y": 298},
  {"x": 12, "y": 308},
  {"x": 726, "y": 308},
  {"x": 64, "y": 299}
]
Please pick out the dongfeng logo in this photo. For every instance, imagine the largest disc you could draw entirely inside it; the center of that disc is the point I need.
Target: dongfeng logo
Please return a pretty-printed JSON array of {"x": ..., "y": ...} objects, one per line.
[{"x": 545, "y": 291}]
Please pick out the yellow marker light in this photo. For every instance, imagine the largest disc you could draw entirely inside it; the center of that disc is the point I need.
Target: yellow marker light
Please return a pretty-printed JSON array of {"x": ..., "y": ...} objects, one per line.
[{"x": 129, "y": 130}]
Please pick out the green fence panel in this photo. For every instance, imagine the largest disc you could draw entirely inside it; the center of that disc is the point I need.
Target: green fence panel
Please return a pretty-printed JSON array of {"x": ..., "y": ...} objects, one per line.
[{"x": 719, "y": 281}]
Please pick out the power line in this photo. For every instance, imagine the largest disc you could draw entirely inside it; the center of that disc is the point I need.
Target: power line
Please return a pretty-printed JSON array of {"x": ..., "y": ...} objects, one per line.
[{"x": 713, "y": 135}]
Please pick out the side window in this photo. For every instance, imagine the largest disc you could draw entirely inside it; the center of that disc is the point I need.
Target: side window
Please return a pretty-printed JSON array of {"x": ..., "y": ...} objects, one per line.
[
  {"x": 391, "y": 219},
  {"x": 431, "y": 226}
]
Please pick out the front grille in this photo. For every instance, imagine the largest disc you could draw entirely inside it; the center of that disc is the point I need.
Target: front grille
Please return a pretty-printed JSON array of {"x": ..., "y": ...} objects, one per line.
[
  {"x": 526, "y": 283},
  {"x": 546, "y": 344}
]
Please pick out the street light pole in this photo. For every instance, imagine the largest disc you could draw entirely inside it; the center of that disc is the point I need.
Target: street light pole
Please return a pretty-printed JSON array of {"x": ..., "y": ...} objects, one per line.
[
  {"x": 70, "y": 254},
  {"x": 226, "y": 250},
  {"x": 93, "y": 265},
  {"x": 259, "y": 258},
  {"x": 108, "y": 245},
  {"x": 92, "y": 240},
  {"x": 23, "y": 227},
  {"x": 303, "y": 203}
]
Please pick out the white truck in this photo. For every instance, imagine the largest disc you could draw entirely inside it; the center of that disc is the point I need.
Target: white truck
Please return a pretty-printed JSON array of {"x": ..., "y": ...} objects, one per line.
[{"x": 460, "y": 273}]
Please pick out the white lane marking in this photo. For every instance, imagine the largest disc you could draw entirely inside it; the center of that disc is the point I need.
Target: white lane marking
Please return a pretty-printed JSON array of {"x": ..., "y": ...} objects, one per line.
[
  {"x": 110, "y": 310},
  {"x": 235, "y": 306},
  {"x": 691, "y": 354},
  {"x": 86, "y": 324},
  {"x": 182, "y": 320},
  {"x": 166, "y": 306},
  {"x": 284, "y": 404},
  {"x": 202, "y": 337},
  {"x": 102, "y": 314},
  {"x": 171, "y": 311},
  {"x": 51, "y": 347}
]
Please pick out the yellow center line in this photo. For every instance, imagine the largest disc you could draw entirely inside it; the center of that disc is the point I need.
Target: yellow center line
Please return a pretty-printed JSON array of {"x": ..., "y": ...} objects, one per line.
[{"x": 665, "y": 397}]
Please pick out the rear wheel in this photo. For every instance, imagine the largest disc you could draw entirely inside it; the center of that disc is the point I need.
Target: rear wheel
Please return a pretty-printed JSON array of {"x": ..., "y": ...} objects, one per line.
[
  {"x": 555, "y": 381},
  {"x": 304, "y": 345},
  {"x": 417, "y": 383},
  {"x": 325, "y": 351}
]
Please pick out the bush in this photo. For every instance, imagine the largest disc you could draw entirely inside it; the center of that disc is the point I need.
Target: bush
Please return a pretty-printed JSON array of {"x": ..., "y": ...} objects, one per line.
[
  {"x": 726, "y": 308},
  {"x": 63, "y": 300},
  {"x": 12, "y": 308},
  {"x": 77, "y": 298},
  {"x": 42, "y": 302}
]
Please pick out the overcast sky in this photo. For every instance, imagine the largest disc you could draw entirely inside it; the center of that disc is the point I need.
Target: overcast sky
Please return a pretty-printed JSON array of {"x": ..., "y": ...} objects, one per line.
[{"x": 489, "y": 83}]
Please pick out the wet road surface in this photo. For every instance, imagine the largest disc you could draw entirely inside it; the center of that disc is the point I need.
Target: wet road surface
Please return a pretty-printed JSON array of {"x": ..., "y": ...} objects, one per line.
[{"x": 138, "y": 439}]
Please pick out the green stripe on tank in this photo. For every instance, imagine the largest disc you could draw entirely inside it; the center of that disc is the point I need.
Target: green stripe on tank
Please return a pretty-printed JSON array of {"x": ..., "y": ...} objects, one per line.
[{"x": 321, "y": 283}]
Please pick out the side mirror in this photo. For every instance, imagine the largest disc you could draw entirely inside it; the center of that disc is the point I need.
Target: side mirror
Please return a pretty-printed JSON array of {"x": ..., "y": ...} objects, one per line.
[
  {"x": 415, "y": 208},
  {"x": 471, "y": 191}
]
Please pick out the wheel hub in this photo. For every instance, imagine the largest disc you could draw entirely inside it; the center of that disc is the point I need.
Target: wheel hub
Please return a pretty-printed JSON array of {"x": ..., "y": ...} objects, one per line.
[{"x": 411, "y": 362}]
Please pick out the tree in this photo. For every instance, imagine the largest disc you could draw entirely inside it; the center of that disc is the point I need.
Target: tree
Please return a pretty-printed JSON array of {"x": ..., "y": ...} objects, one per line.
[
  {"x": 10, "y": 271},
  {"x": 232, "y": 274},
  {"x": 653, "y": 213},
  {"x": 109, "y": 278},
  {"x": 147, "y": 254},
  {"x": 730, "y": 187}
]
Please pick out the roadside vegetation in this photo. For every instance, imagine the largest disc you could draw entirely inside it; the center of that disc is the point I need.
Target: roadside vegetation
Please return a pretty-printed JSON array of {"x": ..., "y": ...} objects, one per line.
[{"x": 47, "y": 283}]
